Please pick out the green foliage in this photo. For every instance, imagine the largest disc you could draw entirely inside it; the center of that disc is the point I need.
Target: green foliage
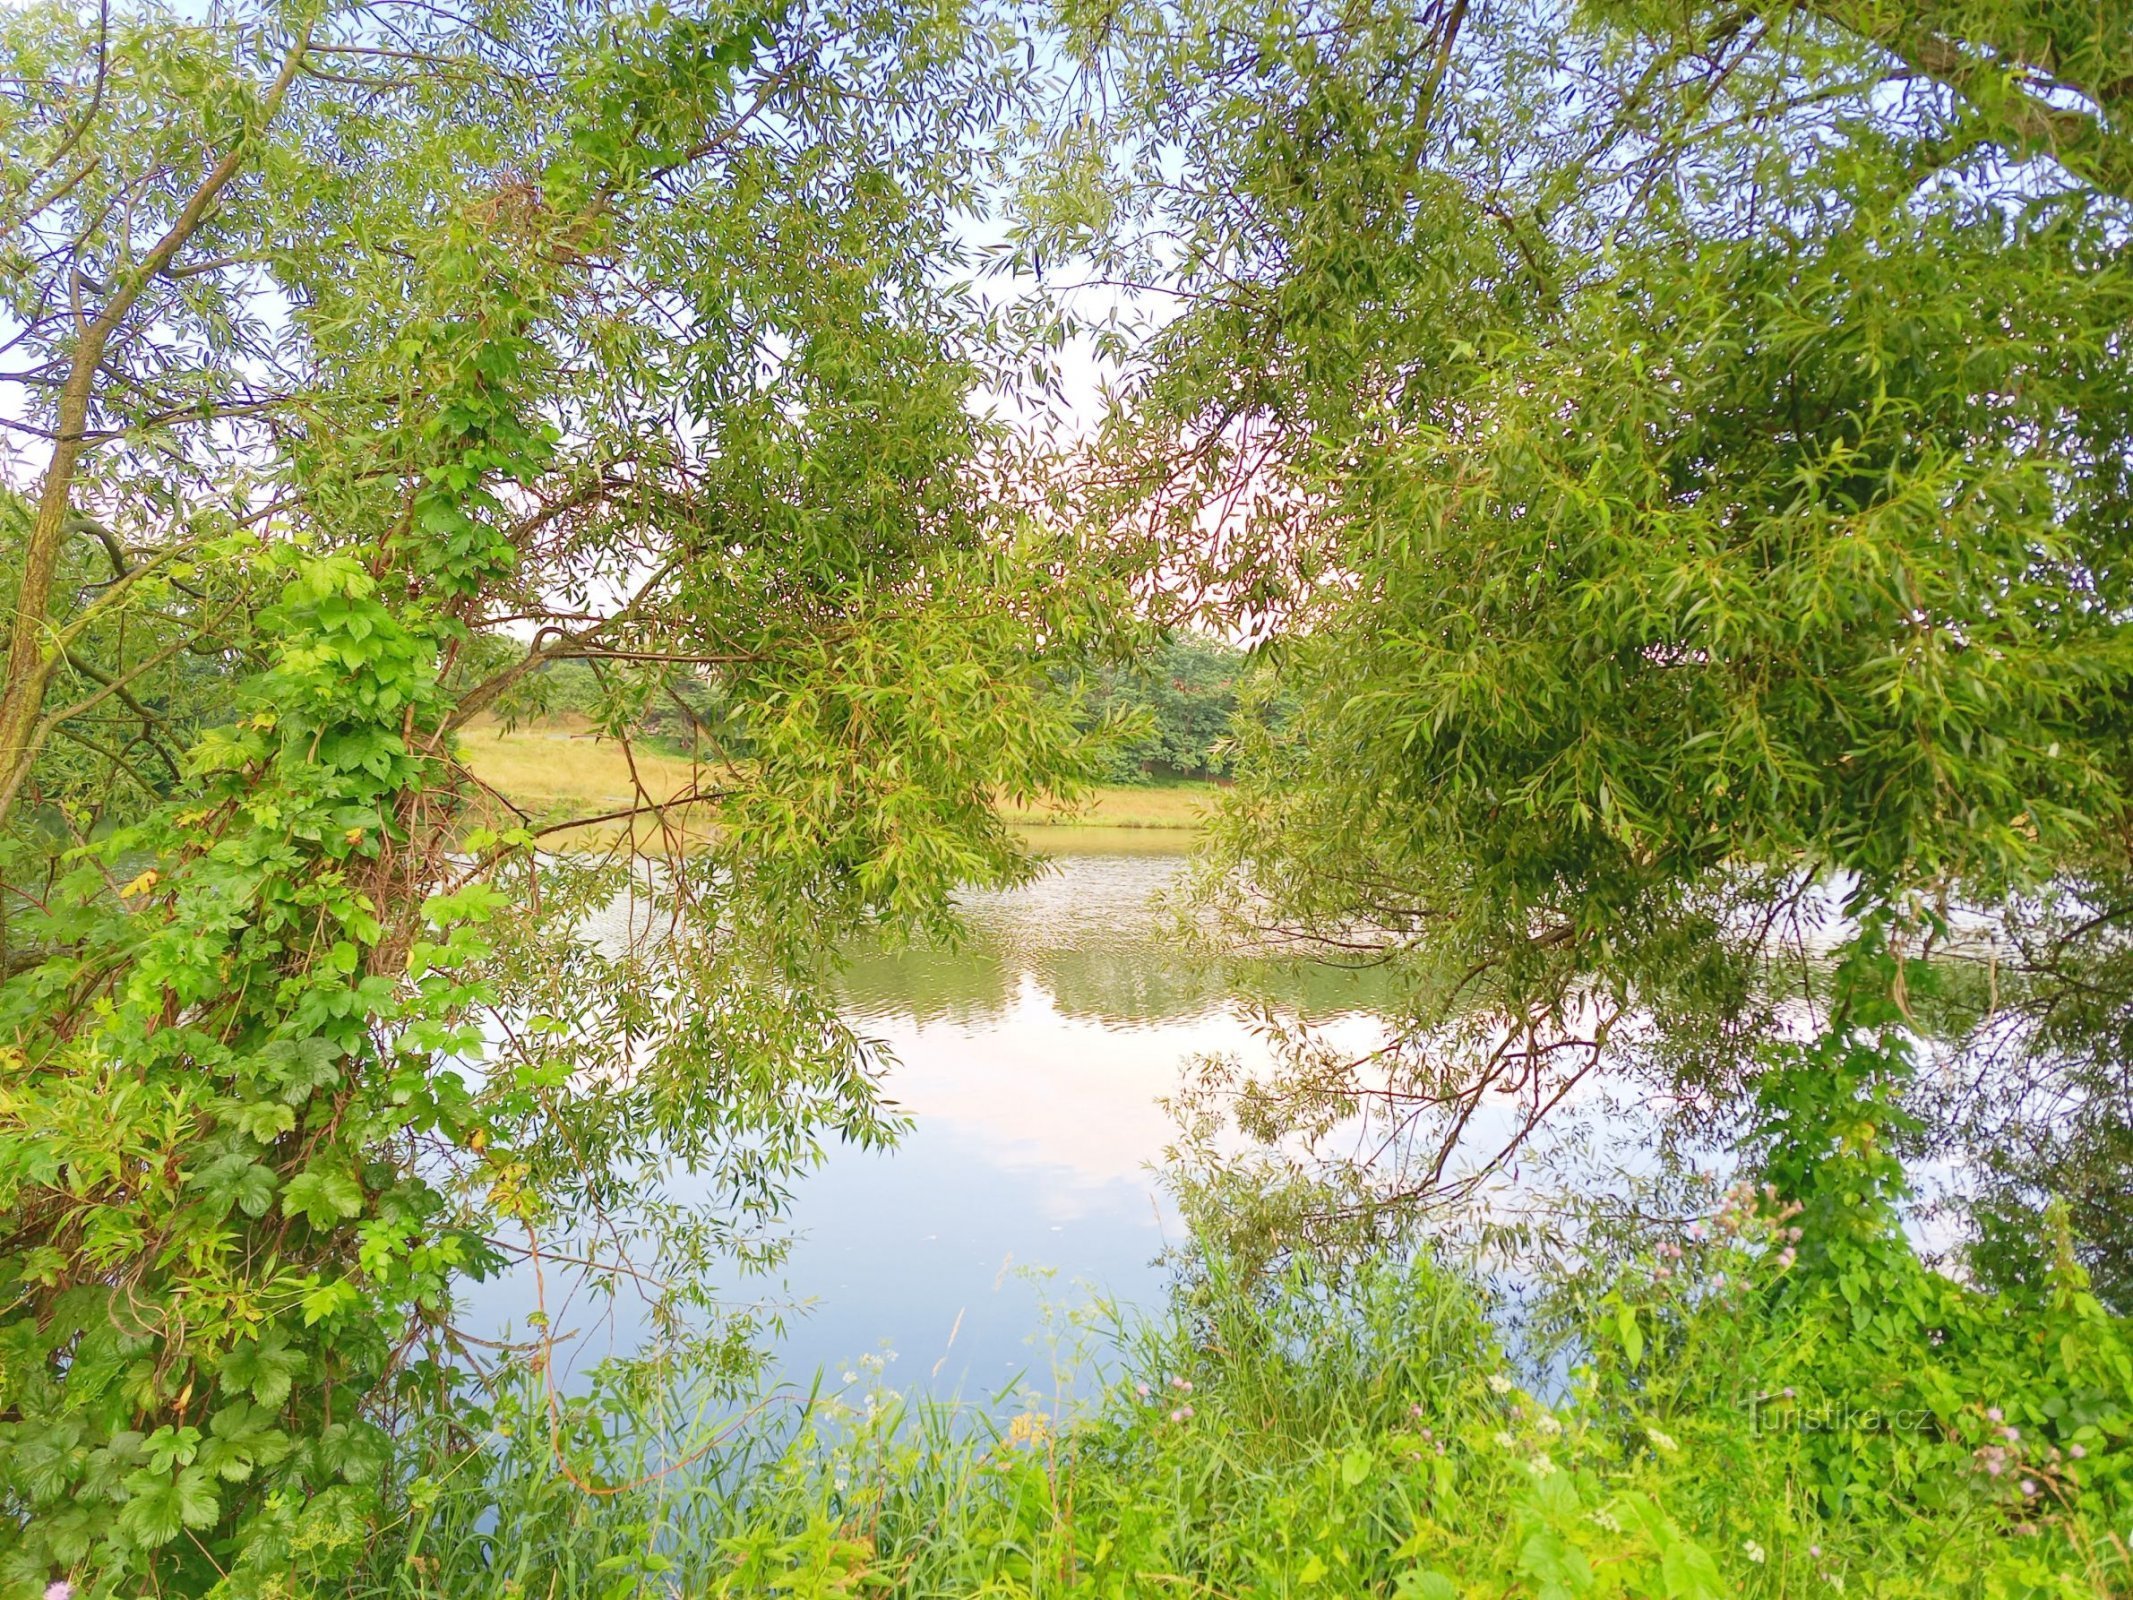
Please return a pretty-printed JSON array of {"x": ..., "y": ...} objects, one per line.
[
  {"x": 1680, "y": 455},
  {"x": 300, "y": 1036},
  {"x": 1776, "y": 1400},
  {"x": 1183, "y": 699}
]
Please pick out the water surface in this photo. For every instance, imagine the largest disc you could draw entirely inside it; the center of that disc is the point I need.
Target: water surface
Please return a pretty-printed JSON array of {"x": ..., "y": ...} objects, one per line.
[{"x": 1032, "y": 1060}]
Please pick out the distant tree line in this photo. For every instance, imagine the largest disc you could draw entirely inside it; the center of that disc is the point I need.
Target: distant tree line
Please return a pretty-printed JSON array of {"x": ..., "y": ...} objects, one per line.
[{"x": 1183, "y": 700}]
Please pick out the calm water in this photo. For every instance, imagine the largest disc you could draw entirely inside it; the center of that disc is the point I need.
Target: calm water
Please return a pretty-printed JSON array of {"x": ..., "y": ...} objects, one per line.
[{"x": 1031, "y": 1061}]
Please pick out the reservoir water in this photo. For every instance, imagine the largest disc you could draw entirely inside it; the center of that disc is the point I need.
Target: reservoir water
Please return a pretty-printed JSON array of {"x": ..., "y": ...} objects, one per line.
[{"x": 1032, "y": 1060}]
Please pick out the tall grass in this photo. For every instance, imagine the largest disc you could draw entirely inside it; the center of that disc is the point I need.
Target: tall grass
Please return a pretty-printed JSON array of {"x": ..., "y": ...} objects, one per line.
[{"x": 1308, "y": 1438}]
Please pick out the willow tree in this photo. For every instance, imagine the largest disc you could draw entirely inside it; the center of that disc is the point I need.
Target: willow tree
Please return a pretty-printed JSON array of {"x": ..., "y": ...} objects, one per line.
[
  {"x": 1679, "y": 456},
  {"x": 364, "y": 359}
]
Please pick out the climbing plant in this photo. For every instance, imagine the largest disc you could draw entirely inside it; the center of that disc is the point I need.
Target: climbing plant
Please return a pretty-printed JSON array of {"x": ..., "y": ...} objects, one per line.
[{"x": 366, "y": 360}]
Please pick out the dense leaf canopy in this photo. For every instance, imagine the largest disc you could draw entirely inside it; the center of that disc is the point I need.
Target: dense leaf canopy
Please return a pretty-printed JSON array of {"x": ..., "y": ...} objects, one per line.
[{"x": 1680, "y": 458}]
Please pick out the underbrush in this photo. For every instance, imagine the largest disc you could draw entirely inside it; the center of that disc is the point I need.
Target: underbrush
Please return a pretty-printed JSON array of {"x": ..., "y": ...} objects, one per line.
[{"x": 1735, "y": 1424}]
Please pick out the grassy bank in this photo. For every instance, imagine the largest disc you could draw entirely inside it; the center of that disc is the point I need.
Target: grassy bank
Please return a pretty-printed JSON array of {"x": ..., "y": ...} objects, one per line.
[
  {"x": 1177, "y": 806},
  {"x": 557, "y": 770}
]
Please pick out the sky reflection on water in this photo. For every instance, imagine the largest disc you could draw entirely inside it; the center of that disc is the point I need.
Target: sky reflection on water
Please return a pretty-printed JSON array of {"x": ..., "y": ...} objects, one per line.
[{"x": 1031, "y": 1060}]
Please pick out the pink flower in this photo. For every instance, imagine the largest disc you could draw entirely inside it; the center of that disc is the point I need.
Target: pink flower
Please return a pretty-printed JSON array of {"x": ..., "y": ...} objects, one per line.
[
  {"x": 1993, "y": 1414},
  {"x": 59, "y": 1589},
  {"x": 2076, "y": 1451}
]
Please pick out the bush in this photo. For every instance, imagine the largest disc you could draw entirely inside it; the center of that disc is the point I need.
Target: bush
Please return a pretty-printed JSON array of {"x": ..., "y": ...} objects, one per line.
[{"x": 1779, "y": 1400}]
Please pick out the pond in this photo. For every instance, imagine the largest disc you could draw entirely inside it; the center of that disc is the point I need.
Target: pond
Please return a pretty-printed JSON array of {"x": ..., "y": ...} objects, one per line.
[{"x": 1032, "y": 1061}]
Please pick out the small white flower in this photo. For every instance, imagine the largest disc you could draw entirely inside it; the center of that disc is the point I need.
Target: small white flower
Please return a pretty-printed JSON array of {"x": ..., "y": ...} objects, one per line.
[
  {"x": 851, "y": 1377},
  {"x": 1504, "y": 1441},
  {"x": 1499, "y": 1384},
  {"x": 1547, "y": 1424},
  {"x": 1753, "y": 1551},
  {"x": 1542, "y": 1466}
]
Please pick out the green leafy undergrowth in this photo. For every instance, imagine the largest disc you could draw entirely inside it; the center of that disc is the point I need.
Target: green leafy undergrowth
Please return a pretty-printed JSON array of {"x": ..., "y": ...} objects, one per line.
[{"x": 1778, "y": 1399}]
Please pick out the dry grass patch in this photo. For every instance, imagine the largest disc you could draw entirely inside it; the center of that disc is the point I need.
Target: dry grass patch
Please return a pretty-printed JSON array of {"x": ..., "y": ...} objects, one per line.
[{"x": 562, "y": 768}]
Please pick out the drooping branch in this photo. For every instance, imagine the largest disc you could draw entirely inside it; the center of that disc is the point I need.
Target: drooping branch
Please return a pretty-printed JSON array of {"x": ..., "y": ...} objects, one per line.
[{"x": 1995, "y": 77}]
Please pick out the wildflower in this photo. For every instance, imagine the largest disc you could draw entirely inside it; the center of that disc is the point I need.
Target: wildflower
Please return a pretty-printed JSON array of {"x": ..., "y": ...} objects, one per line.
[
  {"x": 1182, "y": 1414},
  {"x": 1661, "y": 1441},
  {"x": 59, "y": 1589},
  {"x": 1994, "y": 1414},
  {"x": 1542, "y": 1466},
  {"x": 1030, "y": 1428},
  {"x": 1547, "y": 1424},
  {"x": 1415, "y": 1410},
  {"x": 1499, "y": 1384},
  {"x": 2029, "y": 1485},
  {"x": 1697, "y": 1231},
  {"x": 1504, "y": 1441},
  {"x": 1141, "y": 1389},
  {"x": 2077, "y": 1451},
  {"x": 1182, "y": 1385},
  {"x": 1815, "y": 1551},
  {"x": 2011, "y": 1434},
  {"x": 850, "y": 1376},
  {"x": 1753, "y": 1551}
]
